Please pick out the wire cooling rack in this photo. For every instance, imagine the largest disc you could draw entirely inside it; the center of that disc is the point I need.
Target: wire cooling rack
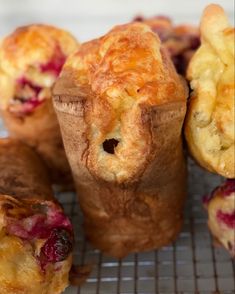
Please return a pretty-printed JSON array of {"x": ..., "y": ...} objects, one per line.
[{"x": 191, "y": 265}]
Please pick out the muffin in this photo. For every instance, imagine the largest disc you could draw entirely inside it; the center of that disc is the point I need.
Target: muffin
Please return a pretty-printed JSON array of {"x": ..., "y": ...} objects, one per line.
[
  {"x": 209, "y": 127},
  {"x": 220, "y": 205},
  {"x": 31, "y": 59},
  {"x": 36, "y": 238},
  {"x": 121, "y": 106}
]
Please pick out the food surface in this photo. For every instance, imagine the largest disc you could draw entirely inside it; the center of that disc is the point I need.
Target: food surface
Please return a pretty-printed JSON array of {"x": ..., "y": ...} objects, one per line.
[
  {"x": 31, "y": 59},
  {"x": 221, "y": 214},
  {"x": 121, "y": 106},
  {"x": 209, "y": 126},
  {"x": 36, "y": 238},
  {"x": 180, "y": 41}
]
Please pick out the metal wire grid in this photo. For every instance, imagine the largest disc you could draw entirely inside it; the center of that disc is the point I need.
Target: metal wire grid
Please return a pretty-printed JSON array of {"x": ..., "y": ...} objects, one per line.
[{"x": 191, "y": 265}]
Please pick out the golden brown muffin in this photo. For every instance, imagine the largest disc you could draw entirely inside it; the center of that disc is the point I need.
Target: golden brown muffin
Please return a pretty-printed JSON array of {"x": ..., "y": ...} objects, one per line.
[
  {"x": 31, "y": 59},
  {"x": 180, "y": 41},
  {"x": 221, "y": 215},
  {"x": 209, "y": 127},
  {"x": 36, "y": 238},
  {"x": 121, "y": 107}
]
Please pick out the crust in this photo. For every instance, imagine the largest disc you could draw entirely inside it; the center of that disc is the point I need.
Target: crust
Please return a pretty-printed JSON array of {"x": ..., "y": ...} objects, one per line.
[
  {"x": 116, "y": 83},
  {"x": 24, "y": 184},
  {"x": 132, "y": 199},
  {"x": 180, "y": 41},
  {"x": 20, "y": 177},
  {"x": 209, "y": 127}
]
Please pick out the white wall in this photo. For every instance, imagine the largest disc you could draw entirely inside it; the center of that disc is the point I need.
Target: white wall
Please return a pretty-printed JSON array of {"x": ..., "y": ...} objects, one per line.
[{"x": 88, "y": 19}]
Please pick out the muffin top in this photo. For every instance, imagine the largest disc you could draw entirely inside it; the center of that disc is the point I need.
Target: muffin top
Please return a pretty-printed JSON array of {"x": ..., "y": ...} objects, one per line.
[
  {"x": 120, "y": 77},
  {"x": 30, "y": 59}
]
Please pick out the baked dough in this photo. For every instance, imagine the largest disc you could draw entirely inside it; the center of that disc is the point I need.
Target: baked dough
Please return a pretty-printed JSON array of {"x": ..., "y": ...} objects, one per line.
[
  {"x": 36, "y": 237},
  {"x": 180, "y": 41},
  {"x": 220, "y": 205},
  {"x": 121, "y": 106},
  {"x": 209, "y": 126},
  {"x": 31, "y": 59}
]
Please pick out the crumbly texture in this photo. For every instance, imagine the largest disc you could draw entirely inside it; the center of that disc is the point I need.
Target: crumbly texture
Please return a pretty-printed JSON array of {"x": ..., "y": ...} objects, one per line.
[
  {"x": 30, "y": 61},
  {"x": 209, "y": 126},
  {"x": 122, "y": 89},
  {"x": 23, "y": 184},
  {"x": 221, "y": 217}
]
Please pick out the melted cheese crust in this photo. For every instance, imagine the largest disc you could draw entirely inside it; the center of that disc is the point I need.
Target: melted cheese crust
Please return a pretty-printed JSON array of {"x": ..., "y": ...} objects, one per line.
[
  {"x": 22, "y": 53},
  {"x": 210, "y": 120},
  {"x": 120, "y": 74}
]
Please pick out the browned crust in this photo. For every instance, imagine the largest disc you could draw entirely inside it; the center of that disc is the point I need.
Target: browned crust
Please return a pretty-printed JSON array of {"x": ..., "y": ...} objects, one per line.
[
  {"x": 41, "y": 131},
  {"x": 32, "y": 44},
  {"x": 22, "y": 174},
  {"x": 141, "y": 210}
]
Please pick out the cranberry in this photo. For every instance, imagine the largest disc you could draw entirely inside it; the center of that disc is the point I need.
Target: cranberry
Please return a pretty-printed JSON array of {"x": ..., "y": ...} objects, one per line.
[
  {"x": 55, "y": 64},
  {"x": 228, "y": 187},
  {"x": 227, "y": 218},
  {"x": 58, "y": 246},
  {"x": 25, "y": 82},
  {"x": 30, "y": 104}
]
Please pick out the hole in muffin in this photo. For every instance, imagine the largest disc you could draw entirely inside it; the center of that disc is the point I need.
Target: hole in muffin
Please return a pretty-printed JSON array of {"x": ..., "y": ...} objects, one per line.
[{"x": 109, "y": 145}]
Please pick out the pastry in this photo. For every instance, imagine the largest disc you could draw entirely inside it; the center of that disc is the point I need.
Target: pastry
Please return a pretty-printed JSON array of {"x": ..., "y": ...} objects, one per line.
[
  {"x": 121, "y": 106},
  {"x": 181, "y": 41},
  {"x": 220, "y": 205},
  {"x": 209, "y": 126},
  {"x": 31, "y": 59},
  {"x": 36, "y": 238}
]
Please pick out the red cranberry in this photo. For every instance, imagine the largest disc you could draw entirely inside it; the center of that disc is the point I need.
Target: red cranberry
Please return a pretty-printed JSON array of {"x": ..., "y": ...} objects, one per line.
[
  {"x": 55, "y": 64},
  {"x": 25, "y": 82},
  {"x": 58, "y": 246},
  {"x": 228, "y": 187},
  {"x": 227, "y": 218}
]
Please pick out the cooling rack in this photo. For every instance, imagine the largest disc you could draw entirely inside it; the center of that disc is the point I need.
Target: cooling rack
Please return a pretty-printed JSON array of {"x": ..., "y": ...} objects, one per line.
[{"x": 191, "y": 265}]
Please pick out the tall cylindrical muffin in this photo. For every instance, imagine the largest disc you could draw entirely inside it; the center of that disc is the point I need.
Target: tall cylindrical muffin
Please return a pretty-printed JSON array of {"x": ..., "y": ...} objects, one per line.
[
  {"x": 121, "y": 106},
  {"x": 36, "y": 237},
  {"x": 210, "y": 120},
  {"x": 31, "y": 59}
]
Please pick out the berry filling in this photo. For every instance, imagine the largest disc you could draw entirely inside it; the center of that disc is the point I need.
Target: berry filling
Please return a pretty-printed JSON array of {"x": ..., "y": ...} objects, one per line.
[
  {"x": 55, "y": 64},
  {"x": 227, "y": 218},
  {"x": 225, "y": 190},
  {"x": 29, "y": 95},
  {"x": 58, "y": 246},
  {"x": 228, "y": 187},
  {"x": 26, "y": 98},
  {"x": 48, "y": 223}
]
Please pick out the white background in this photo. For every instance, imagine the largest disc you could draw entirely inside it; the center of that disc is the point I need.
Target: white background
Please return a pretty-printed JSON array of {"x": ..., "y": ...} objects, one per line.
[{"x": 87, "y": 19}]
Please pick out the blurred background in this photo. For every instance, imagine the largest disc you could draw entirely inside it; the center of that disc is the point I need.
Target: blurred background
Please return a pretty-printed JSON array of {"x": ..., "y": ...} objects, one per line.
[{"x": 87, "y": 19}]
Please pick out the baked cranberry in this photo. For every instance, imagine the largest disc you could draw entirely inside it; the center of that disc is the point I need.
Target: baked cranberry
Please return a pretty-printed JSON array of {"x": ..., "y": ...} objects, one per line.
[
  {"x": 227, "y": 218},
  {"x": 55, "y": 64},
  {"x": 58, "y": 246},
  {"x": 228, "y": 187}
]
